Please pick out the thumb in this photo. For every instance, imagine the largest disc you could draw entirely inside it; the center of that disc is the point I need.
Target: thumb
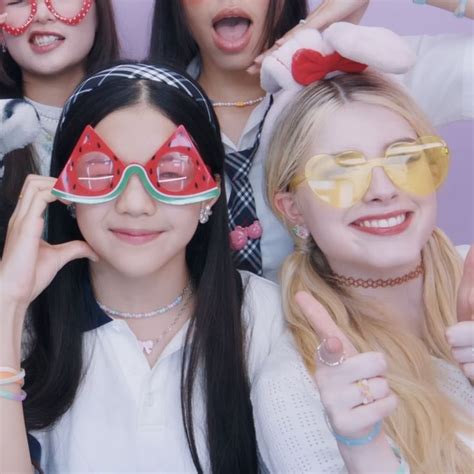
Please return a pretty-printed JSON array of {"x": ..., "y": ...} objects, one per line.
[
  {"x": 335, "y": 341},
  {"x": 69, "y": 251},
  {"x": 465, "y": 301}
]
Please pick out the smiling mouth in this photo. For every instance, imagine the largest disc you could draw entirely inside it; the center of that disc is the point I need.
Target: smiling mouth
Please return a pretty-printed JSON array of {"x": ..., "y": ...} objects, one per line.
[
  {"x": 383, "y": 223},
  {"x": 43, "y": 40},
  {"x": 389, "y": 224}
]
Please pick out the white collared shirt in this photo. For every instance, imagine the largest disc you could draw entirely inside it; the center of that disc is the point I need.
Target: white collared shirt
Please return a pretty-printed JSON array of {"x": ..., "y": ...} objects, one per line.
[{"x": 126, "y": 416}]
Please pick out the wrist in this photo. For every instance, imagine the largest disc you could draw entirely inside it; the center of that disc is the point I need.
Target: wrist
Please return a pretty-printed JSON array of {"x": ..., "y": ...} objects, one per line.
[{"x": 12, "y": 317}]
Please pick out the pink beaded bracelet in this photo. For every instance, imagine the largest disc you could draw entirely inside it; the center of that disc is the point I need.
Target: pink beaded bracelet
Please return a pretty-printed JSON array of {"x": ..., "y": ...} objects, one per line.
[{"x": 17, "y": 397}]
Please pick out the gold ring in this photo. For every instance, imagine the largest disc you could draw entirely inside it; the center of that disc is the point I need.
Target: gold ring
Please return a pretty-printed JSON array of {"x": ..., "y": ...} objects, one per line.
[{"x": 364, "y": 388}]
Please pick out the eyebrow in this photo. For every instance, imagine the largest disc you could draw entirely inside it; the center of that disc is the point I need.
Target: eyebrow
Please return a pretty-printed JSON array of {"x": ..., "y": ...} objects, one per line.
[{"x": 403, "y": 139}]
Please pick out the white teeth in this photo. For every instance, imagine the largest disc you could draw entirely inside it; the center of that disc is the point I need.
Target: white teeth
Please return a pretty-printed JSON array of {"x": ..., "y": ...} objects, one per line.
[
  {"x": 384, "y": 223},
  {"x": 44, "y": 40}
]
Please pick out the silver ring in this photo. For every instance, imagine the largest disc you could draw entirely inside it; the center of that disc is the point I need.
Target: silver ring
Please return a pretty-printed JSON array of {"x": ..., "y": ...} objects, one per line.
[
  {"x": 326, "y": 362},
  {"x": 302, "y": 22}
]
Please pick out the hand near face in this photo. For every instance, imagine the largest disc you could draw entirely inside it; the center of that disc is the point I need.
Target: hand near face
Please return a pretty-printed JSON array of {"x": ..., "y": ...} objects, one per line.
[
  {"x": 460, "y": 336},
  {"x": 29, "y": 263},
  {"x": 328, "y": 12},
  {"x": 3, "y": 16},
  {"x": 355, "y": 393}
]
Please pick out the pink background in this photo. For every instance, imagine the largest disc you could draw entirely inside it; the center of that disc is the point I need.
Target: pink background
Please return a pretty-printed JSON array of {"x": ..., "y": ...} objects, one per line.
[{"x": 456, "y": 197}]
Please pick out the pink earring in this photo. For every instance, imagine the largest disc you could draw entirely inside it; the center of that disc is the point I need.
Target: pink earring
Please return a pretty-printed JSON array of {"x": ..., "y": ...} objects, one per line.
[{"x": 301, "y": 231}]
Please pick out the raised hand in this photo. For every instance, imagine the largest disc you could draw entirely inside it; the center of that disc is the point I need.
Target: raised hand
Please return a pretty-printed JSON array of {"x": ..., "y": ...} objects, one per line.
[
  {"x": 460, "y": 336},
  {"x": 352, "y": 386},
  {"x": 29, "y": 263},
  {"x": 327, "y": 13}
]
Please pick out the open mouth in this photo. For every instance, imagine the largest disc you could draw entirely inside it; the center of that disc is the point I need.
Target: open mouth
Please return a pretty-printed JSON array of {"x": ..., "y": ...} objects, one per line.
[
  {"x": 231, "y": 28},
  {"x": 47, "y": 39}
]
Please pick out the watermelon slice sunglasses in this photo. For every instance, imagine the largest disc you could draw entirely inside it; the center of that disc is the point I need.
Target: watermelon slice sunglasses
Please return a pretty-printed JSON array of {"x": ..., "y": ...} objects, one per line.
[{"x": 176, "y": 174}]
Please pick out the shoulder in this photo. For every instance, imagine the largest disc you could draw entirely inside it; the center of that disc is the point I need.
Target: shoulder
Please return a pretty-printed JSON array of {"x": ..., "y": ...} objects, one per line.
[
  {"x": 262, "y": 317},
  {"x": 284, "y": 372},
  {"x": 261, "y": 304},
  {"x": 260, "y": 291}
]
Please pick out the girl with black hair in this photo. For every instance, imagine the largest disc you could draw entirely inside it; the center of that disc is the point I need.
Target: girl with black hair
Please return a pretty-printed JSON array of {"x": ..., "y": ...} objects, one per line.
[
  {"x": 142, "y": 340},
  {"x": 47, "y": 47}
]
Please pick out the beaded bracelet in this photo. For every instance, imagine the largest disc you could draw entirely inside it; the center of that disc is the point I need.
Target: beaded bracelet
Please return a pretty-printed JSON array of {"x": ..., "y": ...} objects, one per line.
[
  {"x": 17, "y": 397},
  {"x": 359, "y": 441},
  {"x": 9, "y": 375}
]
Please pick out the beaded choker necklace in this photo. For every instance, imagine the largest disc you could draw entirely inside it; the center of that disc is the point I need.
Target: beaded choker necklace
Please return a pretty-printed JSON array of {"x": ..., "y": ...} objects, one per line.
[
  {"x": 238, "y": 103},
  {"x": 379, "y": 283},
  {"x": 150, "y": 314}
]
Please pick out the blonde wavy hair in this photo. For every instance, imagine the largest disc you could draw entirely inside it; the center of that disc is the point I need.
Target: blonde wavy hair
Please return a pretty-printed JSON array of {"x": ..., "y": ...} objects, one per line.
[{"x": 426, "y": 423}]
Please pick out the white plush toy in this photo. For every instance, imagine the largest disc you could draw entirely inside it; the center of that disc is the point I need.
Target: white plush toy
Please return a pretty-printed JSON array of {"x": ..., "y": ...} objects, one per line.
[
  {"x": 19, "y": 126},
  {"x": 309, "y": 56}
]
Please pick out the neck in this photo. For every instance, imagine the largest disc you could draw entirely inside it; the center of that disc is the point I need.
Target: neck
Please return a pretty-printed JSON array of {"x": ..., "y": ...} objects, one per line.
[
  {"x": 54, "y": 89},
  {"x": 404, "y": 301},
  {"x": 129, "y": 293},
  {"x": 229, "y": 85}
]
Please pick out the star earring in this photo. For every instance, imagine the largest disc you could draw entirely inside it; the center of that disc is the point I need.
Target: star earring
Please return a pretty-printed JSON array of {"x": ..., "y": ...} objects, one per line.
[{"x": 204, "y": 214}]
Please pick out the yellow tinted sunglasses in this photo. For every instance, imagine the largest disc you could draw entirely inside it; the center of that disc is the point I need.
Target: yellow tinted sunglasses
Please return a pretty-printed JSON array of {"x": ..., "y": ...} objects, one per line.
[{"x": 418, "y": 167}]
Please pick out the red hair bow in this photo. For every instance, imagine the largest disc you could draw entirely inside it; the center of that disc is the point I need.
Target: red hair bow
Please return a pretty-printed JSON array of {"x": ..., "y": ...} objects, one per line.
[{"x": 309, "y": 66}]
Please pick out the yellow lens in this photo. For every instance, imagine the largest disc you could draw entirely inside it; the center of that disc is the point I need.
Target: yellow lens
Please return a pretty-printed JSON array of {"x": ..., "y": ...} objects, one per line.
[
  {"x": 339, "y": 180},
  {"x": 418, "y": 168}
]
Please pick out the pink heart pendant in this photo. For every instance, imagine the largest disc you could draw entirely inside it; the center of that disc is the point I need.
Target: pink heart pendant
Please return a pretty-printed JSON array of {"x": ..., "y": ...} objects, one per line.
[{"x": 147, "y": 346}]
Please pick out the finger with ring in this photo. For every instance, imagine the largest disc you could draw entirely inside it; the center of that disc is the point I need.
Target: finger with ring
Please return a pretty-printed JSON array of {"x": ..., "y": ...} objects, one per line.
[
  {"x": 364, "y": 388},
  {"x": 331, "y": 360}
]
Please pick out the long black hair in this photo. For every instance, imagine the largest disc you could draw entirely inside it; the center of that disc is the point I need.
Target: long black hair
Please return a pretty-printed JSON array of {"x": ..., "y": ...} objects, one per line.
[
  {"x": 20, "y": 163},
  {"x": 171, "y": 39},
  {"x": 215, "y": 339}
]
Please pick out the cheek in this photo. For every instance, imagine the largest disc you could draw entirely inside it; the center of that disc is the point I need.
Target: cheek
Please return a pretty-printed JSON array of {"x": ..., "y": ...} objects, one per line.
[
  {"x": 89, "y": 220},
  {"x": 429, "y": 207}
]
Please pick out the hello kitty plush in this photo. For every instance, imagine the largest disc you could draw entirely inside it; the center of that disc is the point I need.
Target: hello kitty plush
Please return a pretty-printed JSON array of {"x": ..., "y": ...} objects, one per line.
[
  {"x": 19, "y": 127},
  {"x": 309, "y": 56}
]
